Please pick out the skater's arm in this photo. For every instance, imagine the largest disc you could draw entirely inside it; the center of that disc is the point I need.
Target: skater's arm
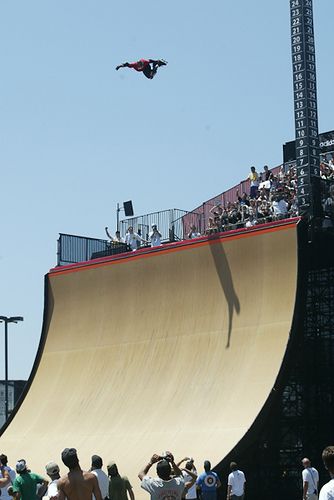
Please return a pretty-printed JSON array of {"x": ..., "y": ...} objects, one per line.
[{"x": 124, "y": 65}]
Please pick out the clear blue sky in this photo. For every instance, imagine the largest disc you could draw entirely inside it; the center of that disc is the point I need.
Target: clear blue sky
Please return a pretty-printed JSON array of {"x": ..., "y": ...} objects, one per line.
[{"x": 76, "y": 137}]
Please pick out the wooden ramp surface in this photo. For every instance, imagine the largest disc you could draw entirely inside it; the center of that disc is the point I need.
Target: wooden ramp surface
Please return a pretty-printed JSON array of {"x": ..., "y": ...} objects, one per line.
[{"x": 174, "y": 350}]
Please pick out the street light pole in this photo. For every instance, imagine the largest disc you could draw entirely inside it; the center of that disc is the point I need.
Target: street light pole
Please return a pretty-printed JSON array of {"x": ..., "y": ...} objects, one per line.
[{"x": 6, "y": 320}]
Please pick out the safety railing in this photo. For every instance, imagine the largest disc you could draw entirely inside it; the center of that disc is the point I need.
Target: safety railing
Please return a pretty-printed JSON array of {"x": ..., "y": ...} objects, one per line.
[
  {"x": 73, "y": 249},
  {"x": 169, "y": 223}
]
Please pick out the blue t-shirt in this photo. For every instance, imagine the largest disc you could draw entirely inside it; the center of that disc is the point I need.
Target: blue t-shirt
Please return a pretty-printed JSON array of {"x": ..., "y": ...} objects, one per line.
[{"x": 207, "y": 481}]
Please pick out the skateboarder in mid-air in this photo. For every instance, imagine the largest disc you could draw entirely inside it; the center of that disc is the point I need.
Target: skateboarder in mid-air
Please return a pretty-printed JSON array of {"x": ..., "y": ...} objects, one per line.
[{"x": 148, "y": 66}]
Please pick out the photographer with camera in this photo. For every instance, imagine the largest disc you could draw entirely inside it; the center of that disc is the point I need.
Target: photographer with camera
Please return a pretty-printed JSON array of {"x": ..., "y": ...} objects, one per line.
[{"x": 166, "y": 484}]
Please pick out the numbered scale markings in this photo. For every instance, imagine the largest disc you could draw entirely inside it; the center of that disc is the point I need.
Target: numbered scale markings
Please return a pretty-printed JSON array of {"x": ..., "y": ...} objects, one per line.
[{"x": 305, "y": 102}]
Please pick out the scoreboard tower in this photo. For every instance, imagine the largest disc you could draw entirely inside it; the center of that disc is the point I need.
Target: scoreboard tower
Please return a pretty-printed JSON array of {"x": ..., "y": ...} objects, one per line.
[{"x": 306, "y": 109}]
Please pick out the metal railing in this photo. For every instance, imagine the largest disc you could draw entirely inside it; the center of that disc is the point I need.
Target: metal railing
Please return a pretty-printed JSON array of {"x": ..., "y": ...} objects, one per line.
[
  {"x": 73, "y": 249},
  {"x": 169, "y": 223}
]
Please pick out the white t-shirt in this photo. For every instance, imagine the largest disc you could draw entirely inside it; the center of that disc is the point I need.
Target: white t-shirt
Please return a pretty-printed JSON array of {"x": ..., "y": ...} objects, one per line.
[
  {"x": 327, "y": 491},
  {"x": 194, "y": 234},
  {"x": 155, "y": 239},
  {"x": 52, "y": 489},
  {"x": 12, "y": 474},
  {"x": 164, "y": 490},
  {"x": 131, "y": 240},
  {"x": 312, "y": 477},
  {"x": 192, "y": 493},
  {"x": 254, "y": 179},
  {"x": 103, "y": 481},
  {"x": 237, "y": 480},
  {"x": 280, "y": 207}
]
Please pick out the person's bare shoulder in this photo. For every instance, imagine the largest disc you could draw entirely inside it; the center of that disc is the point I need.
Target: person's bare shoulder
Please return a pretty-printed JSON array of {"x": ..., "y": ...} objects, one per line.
[
  {"x": 89, "y": 476},
  {"x": 61, "y": 486},
  {"x": 62, "y": 481}
]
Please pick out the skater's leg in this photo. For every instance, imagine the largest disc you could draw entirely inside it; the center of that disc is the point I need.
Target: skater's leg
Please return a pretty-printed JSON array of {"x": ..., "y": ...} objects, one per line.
[{"x": 148, "y": 72}]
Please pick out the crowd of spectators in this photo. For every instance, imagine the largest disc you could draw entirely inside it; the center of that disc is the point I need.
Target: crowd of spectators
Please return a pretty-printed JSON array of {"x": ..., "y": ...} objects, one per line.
[
  {"x": 270, "y": 197},
  {"x": 171, "y": 481}
]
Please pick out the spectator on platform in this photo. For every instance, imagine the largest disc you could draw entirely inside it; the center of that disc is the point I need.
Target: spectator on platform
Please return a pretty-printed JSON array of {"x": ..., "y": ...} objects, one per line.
[
  {"x": 119, "y": 486},
  {"x": 155, "y": 236},
  {"x": 114, "y": 239},
  {"x": 279, "y": 207},
  {"x": 193, "y": 233},
  {"x": 217, "y": 212},
  {"x": 212, "y": 227},
  {"x": 133, "y": 239},
  {"x": 102, "y": 478},
  {"x": 251, "y": 220},
  {"x": 235, "y": 483},
  {"x": 254, "y": 182},
  {"x": 243, "y": 199},
  {"x": 267, "y": 175}
]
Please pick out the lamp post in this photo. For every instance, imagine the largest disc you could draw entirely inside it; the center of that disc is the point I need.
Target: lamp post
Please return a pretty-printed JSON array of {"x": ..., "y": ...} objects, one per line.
[{"x": 6, "y": 320}]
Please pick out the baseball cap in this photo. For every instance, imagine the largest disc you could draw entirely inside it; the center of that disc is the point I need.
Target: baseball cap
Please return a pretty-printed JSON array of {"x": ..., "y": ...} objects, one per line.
[
  {"x": 69, "y": 457},
  {"x": 21, "y": 465},
  {"x": 52, "y": 468}
]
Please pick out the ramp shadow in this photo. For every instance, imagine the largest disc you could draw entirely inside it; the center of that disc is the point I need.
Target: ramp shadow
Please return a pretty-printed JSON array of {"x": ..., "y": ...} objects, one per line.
[{"x": 226, "y": 281}]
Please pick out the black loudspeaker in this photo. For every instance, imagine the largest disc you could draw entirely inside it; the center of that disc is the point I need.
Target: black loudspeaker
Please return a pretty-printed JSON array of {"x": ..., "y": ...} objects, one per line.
[{"x": 128, "y": 208}]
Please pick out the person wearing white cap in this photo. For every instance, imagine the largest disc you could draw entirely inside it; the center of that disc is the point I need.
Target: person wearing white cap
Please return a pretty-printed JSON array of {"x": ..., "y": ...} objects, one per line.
[
  {"x": 155, "y": 236},
  {"x": 52, "y": 470},
  {"x": 26, "y": 483}
]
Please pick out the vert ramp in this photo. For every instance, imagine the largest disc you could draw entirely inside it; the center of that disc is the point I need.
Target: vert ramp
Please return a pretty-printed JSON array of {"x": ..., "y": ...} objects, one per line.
[{"x": 176, "y": 348}]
